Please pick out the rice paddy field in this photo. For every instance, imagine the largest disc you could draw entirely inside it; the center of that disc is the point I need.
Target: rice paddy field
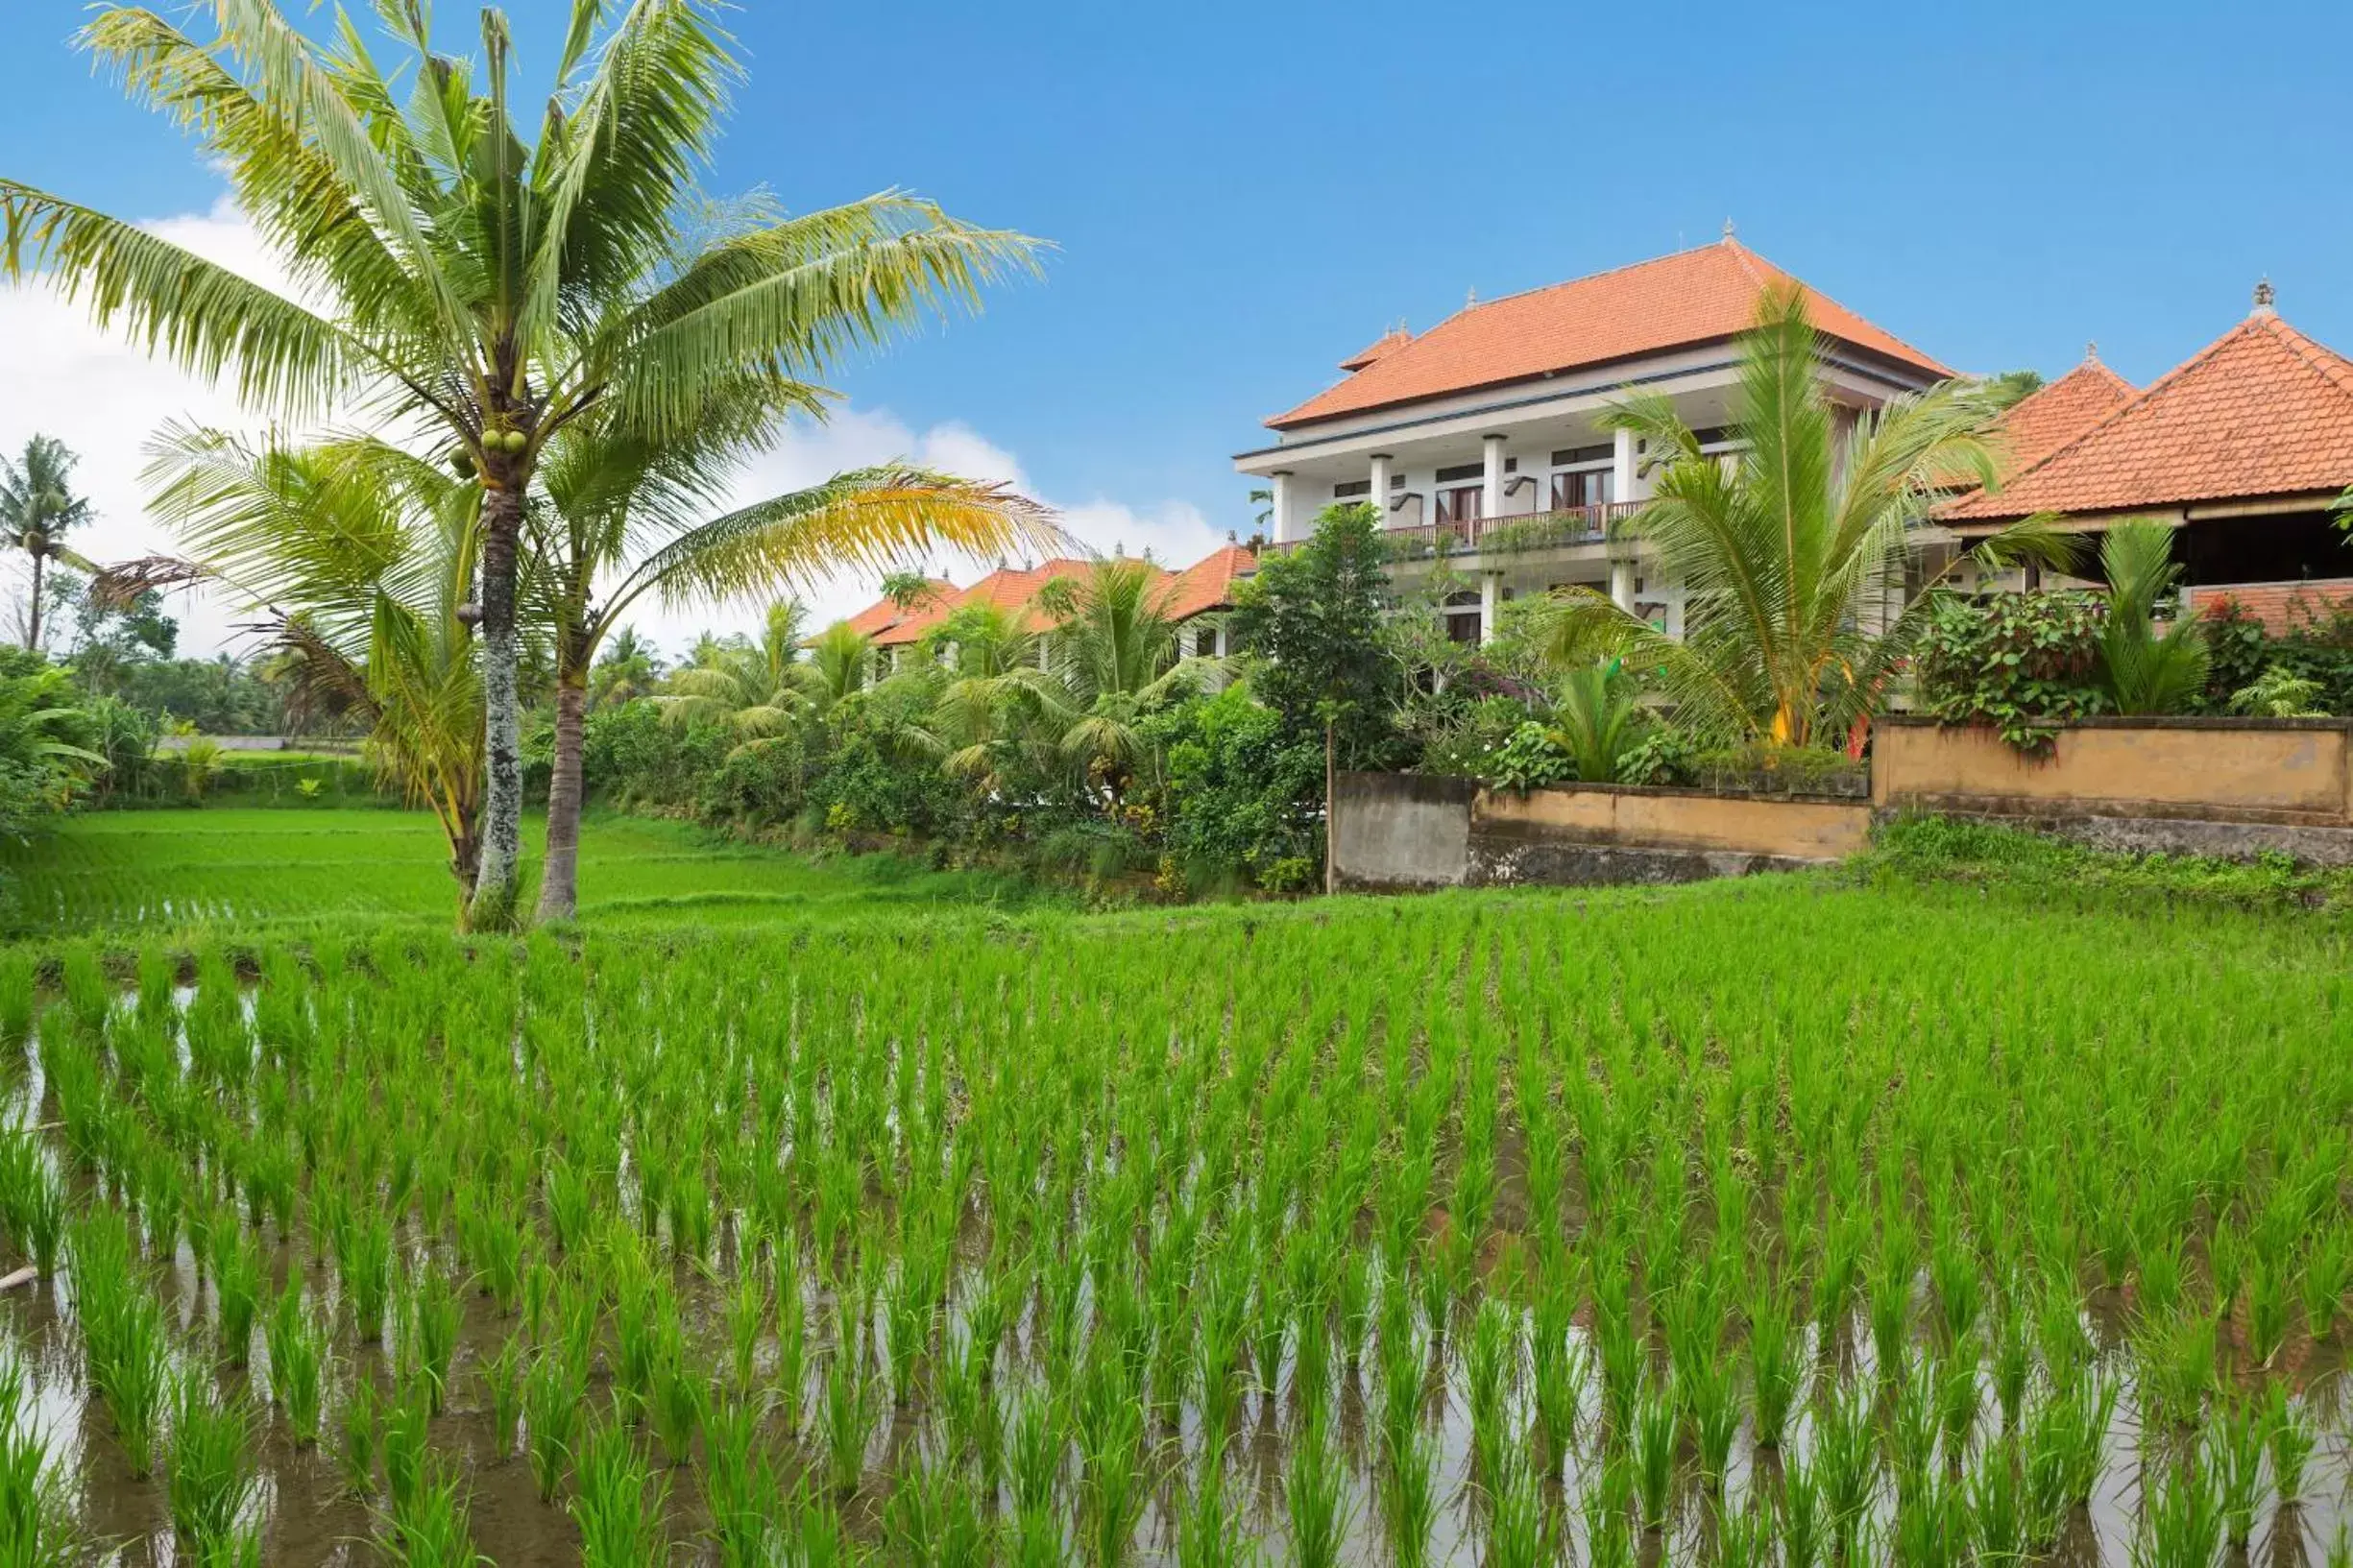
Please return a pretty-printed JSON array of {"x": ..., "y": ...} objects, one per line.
[
  {"x": 231, "y": 868},
  {"x": 1793, "y": 1222}
]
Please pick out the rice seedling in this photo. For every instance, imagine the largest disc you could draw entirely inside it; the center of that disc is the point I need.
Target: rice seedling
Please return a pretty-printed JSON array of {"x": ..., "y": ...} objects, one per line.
[
  {"x": 403, "y": 1436},
  {"x": 553, "y": 1392},
  {"x": 2290, "y": 1436},
  {"x": 1409, "y": 1499},
  {"x": 2235, "y": 1446},
  {"x": 36, "y": 1525},
  {"x": 213, "y": 1482},
  {"x": 740, "y": 1485},
  {"x": 1314, "y": 1501},
  {"x": 617, "y": 1499},
  {"x": 355, "y": 1425},
  {"x": 1802, "y": 1535},
  {"x": 2328, "y": 1270},
  {"x": 1520, "y": 1531},
  {"x": 846, "y": 1418},
  {"x": 2181, "y": 1517},
  {"x": 435, "y": 1316},
  {"x": 1776, "y": 1364},
  {"x": 298, "y": 1346},
  {"x": 32, "y": 1203},
  {"x": 433, "y": 1528},
  {"x": 1656, "y": 1426},
  {"x": 1209, "y": 1528},
  {"x": 236, "y": 1287},
  {"x": 502, "y": 1387}
]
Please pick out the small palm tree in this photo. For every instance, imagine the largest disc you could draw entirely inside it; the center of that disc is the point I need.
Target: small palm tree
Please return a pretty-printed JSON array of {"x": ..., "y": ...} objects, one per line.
[
  {"x": 358, "y": 561},
  {"x": 486, "y": 277},
  {"x": 2143, "y": 671},
  {"x": 36, "y": 508},
  {"x": 1792, "y": 555},
  {"x": 753, "y": 688},
  {"x": 839, "y": 660},
  {"x": 628, "y": 668},
  {"x": 1117, "y": 650}
]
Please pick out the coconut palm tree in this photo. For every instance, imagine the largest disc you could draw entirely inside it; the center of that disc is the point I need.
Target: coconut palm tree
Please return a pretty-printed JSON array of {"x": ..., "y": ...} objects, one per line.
[
  {"x": 1116, "y": 649},
  {"x": 840, "y": 658},
  {"x": 622, "y": 515},
  {"x": 37, "y": 507},
  {"x": 628, "y": 668},
  {"x": 358, "y": 561},
  {"x": 754, "y": 688},
  {"x": 477, "y": 285},
  {"x": 1792, "y": 555}
]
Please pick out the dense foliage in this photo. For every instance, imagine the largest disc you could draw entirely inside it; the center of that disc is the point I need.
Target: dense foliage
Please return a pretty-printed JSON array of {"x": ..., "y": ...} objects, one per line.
[{"x": 2025, "y": 663}]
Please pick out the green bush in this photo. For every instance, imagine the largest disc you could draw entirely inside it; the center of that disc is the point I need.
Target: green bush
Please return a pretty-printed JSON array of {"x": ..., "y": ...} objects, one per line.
[
  {"x": 1531, "y": 759},
  {"x": 2025, "y": 663},
  {"x": 1244, "y": 793},
  {"x": 2316, "y": 647}
]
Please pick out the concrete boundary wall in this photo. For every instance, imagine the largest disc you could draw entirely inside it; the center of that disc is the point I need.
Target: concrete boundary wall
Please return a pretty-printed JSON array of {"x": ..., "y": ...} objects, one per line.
[
  {"x": 1407, "y": 831},
  {"x": 2284, "y": 772}
]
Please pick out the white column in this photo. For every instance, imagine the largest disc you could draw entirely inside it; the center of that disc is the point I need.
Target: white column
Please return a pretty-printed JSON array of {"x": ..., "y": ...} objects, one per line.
[
  {"x": 1621, "y": 467},
  {"x": 1284, "y": 531},
  {"x": 1380, "y": 488},
  {"x": 1621, "y": 585},
  {"x": 1491, "y": 494},
  {"x": 1490, "y": 604}
]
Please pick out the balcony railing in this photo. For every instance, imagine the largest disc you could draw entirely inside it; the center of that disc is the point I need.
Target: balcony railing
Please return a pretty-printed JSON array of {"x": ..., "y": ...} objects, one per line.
[{"x": 1523, "y": 531}]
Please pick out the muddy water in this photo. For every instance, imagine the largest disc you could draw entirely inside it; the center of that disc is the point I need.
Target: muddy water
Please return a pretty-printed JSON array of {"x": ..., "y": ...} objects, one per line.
[{"x": 313, "y": 1518}]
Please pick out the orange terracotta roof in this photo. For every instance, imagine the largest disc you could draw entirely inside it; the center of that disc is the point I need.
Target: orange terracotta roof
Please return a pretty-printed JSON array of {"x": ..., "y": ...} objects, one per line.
[
  {"x": 1695, "y": 295},
  {"x": 1205, "y": 585},
  {"x": 2261, "y": 411},
  {"x": 2046, "y": 420},
  {"x": 1396, "y": 337},
  {"x": 1208, "y": 584},
  {"x": 883, "y": 614}
]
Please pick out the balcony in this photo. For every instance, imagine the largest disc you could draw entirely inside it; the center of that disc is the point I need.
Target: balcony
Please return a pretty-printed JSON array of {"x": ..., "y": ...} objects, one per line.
[{"x": 1515, "y": 531}]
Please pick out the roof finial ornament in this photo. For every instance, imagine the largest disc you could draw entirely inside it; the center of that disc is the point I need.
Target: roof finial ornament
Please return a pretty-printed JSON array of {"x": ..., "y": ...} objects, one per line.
[
  {"x": 2264, "y": 294},
  {"x": 1470, "y": 298},
  {"x": 1727, "y": 231},
  {"x": 2091, "y": 352}
]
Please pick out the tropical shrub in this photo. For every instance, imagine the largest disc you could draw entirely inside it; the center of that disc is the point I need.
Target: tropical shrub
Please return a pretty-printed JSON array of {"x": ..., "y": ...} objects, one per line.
[
  {"x": 2025, "y": 663},
  {"x": 1244, "y": 790},
  {"x": 2142, "y": 669},
  {"x": 1531, "y": 759}
]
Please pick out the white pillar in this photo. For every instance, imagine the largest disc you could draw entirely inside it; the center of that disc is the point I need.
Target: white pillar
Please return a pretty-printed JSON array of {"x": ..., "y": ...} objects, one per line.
[
  {"x": 1621, "y": 467},
  {"x": 1491, "y": 494},
  {"x": 1490, "y": 604},
  {"x": 1621, "y": 585},
  {"x": 1380, "y": 488},
  {"x": 1284, "y": 529}
]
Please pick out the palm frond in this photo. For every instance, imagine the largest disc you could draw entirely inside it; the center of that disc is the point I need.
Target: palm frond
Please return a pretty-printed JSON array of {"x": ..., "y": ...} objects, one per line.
[{"x": 171, "y": 301}]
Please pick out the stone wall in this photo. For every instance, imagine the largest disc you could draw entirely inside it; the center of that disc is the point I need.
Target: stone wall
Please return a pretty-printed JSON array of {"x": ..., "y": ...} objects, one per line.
[
  {"x": 1401, "y": 830},
  {"x": 2215, "y": 786}
]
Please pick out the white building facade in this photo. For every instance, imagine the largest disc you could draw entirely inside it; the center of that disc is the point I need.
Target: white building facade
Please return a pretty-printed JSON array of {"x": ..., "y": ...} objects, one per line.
[{"x": 1481, "y": 439}]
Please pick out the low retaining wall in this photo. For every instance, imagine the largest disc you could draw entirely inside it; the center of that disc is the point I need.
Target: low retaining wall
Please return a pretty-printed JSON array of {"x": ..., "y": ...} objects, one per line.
[
  {"x": 2214, "y": 786},
  {"x": 1405, "y": 830}
]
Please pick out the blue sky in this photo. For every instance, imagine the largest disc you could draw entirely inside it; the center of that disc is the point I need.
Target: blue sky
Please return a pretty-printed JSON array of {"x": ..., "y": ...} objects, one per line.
[{"x": 1242, "y": 193}]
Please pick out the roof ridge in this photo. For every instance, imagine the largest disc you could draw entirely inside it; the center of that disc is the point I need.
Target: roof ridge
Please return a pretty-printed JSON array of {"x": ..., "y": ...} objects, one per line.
[
  {"x": 2139, "y": 397},
  {"x": 1581, "y": 277},
  {"x": 2314, "y": 355}
]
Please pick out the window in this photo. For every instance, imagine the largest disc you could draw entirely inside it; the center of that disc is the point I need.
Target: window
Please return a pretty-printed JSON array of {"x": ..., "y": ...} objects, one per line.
[
  {"x": 1459, "y": 505},
  {"x": 1462, "y": 471},
  {"x": 1350, "y": 488},
  {"x": 1463, "y": 618},
  {"x": 1569, "y": 456},
  {"x": 1582, "y": 488}
]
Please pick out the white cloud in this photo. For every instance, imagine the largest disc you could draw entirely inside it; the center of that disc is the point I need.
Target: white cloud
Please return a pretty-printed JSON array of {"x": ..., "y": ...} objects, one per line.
[{"x": 102, "y": 397}]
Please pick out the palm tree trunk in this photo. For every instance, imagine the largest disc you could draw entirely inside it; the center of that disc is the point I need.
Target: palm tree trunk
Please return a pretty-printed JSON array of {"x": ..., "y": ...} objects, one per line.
[
  {"x": 32, "y": 611},
  {"x": 498, "y": 884},
  {"x": 559, "y": 891}
]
